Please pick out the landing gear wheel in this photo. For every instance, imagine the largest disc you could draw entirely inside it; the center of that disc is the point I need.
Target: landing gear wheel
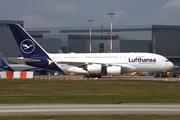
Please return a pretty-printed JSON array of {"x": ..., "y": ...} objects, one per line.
[{"x": 99, "y": 76}]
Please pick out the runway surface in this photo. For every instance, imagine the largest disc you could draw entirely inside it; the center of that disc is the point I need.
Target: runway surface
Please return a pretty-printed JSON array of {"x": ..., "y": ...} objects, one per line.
[{"x": 89, "y": 109}]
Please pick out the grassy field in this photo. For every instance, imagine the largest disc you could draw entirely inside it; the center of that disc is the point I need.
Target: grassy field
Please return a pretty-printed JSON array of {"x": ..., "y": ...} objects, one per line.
[{"x": 88, "y": 91}]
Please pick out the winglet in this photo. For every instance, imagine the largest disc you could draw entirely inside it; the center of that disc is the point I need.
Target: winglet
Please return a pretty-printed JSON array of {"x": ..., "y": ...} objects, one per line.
[
  {"x": 4, "y": 61},
  {"x": 5, "y": 64}
]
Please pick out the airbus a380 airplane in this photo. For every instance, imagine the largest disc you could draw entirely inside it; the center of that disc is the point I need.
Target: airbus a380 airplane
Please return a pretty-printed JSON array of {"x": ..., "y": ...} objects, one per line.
[{"x": 86, "y": 63}]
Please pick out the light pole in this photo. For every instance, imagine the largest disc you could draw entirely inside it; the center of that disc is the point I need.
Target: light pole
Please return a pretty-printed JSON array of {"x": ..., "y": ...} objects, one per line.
[
  {"x": 111, "y": 14},
  {"x": 109, "y": 41},
  {"x": 154, "y": 41},
  {"x": 90, "y": 42}
]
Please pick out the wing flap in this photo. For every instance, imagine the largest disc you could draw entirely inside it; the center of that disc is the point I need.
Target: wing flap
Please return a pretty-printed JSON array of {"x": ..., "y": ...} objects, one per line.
[{"x": 72, "y": 63}]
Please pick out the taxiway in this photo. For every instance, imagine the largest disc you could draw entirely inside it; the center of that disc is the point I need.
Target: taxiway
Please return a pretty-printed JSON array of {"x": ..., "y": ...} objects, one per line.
[{"x": 88, "y": 109}]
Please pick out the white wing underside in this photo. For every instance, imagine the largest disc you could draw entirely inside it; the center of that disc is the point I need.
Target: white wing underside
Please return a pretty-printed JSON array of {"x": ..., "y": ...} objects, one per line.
[{"x": 124, "y": 67}]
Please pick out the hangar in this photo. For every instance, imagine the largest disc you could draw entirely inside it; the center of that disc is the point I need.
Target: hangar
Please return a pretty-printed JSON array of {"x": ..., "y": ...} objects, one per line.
[{"x": 161, "y": 39}]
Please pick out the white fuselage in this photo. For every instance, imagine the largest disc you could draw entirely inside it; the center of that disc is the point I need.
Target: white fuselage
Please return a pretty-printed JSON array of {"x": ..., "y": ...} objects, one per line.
[{"x": 127, "y": 62}]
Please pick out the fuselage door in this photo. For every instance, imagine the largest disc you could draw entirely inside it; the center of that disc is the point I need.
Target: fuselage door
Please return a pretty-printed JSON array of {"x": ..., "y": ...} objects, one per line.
[{"x": 158, "y": 62}]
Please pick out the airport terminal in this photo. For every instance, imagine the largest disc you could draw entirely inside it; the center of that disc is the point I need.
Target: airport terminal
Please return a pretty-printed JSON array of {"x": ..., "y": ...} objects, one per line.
[{"x": 160, "y": 39}]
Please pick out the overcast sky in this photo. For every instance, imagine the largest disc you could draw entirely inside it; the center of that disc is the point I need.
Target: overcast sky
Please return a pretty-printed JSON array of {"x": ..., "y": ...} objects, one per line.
[{"x": 75, "y": 13}]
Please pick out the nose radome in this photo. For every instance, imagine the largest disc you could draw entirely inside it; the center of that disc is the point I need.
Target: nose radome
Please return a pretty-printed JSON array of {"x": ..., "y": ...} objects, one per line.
[{"x": 171, "y": 65}]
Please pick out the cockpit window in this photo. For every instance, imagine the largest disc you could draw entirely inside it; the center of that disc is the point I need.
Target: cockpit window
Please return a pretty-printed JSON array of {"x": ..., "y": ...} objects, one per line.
[{"x": 166, "y": 60}]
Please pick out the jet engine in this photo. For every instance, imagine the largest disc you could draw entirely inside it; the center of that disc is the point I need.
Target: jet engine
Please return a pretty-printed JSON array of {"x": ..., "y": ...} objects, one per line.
[
  {"x": 76, "y": 70},
  {"x": 94, "y": 68},
  {"x": 114, "y": 70}
]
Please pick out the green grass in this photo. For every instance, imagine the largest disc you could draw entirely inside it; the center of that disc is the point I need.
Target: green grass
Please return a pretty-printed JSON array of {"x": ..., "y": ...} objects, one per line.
[
  {"x": 88, "y": 91},
  {"x": 94, "y": 117}
]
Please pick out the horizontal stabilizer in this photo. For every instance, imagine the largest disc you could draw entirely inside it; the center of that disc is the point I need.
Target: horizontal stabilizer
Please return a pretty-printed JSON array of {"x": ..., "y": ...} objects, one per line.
[{"x": 22, "y": 60}]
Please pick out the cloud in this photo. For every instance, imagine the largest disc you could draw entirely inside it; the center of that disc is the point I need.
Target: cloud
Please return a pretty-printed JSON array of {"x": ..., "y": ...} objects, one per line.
[
  {"x": 68, "y": 13},
  {"x": 167, "y": 14},
  {"x": 120, "y": 15},
  {"x": 172, "y": 4},
  {"x": 65, "y": 9},
  {"x": 34, "y": 21}
]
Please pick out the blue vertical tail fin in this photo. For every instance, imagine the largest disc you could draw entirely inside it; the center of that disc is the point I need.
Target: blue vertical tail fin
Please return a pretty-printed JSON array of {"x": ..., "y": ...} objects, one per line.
[
  {"x": 27, "y": 45},
  {"x": 5, "y": 64},
  {"x": 30, "y": 49},
  {"x": 3, "y": 60}
]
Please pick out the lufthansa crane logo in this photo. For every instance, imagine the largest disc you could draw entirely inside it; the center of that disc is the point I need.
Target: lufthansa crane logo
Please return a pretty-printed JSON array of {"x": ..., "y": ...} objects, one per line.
[{"x": 27, "y": 46}]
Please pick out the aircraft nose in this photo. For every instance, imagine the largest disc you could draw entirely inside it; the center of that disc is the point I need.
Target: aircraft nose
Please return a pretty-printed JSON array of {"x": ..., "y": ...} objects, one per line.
[{"x": 170, "y": 65}]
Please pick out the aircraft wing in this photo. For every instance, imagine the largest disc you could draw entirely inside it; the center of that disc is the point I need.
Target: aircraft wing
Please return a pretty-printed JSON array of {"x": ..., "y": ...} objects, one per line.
[
  {"x": 73, "y": 63},
  {"x": 125, "y": 67},
  {"x": 22, "y": 60}
]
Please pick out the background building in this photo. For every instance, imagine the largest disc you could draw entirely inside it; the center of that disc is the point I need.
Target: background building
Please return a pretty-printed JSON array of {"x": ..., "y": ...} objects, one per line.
[
  {"x": 9, "y": 47},
  {"x": 125, "y": 38},
  {"x": 161, "y": 39}
]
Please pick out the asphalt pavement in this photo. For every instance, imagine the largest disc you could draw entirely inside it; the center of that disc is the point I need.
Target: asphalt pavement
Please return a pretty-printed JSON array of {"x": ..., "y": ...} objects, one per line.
[{"x": 89, "y": 109}]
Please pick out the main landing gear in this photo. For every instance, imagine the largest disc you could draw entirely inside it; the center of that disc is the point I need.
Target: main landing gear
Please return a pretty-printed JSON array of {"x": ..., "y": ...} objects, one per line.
[{"x": 93, "y": 76}]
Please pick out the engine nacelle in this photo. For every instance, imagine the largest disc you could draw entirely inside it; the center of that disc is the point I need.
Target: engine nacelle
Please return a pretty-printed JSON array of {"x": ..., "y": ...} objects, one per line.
[
  {"x": 94, "y": 68},
  {"x": 76, "y": 70},
  {"x": 114, "y": 70}
]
